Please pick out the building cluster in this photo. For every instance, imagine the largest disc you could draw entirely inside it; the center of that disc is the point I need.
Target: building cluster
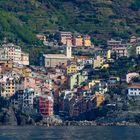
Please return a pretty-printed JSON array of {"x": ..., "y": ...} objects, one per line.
[
  {"x": 74, "y": 40},
  {"x": 11, "y": 52},
  {"x": 64, "y": 84}
]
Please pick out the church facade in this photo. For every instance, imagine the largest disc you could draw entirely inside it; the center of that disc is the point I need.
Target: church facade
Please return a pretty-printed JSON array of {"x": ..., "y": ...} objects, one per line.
[{"x": 53, "y": 60}]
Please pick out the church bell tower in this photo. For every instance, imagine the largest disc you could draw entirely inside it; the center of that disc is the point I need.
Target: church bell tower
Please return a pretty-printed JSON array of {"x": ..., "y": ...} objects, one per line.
[{"x": 68, "y": 51}]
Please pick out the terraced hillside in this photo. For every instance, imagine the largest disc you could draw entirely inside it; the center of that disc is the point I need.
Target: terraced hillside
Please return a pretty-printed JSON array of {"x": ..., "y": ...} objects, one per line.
[{"x": 22, "y": 19}]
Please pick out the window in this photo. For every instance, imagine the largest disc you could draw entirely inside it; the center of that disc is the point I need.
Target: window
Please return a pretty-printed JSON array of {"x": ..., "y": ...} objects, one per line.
[{"x": 48, "y": 63}]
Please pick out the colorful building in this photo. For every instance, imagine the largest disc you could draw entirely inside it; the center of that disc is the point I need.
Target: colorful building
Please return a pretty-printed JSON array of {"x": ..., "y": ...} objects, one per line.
[
  {"x": 105, "y": 66},
  {"x": 138, "y": 50},
  {"x": 130, "y": 76},
  {"x": 109, "y": 54},
  {"x": 98, "y": 62},
  {"x": 12, "y": 52},
  {"x": 65, "y": 37},
  {"x": 46, "y": 105},
  {"x": 119, "y": 47},
  {"x": 99, "y": 99},
  {"x": 77, "y": 79},
  {"x": 86, "y": 41},
  {"x": 78, "y": 41},
  {"x": 72, "y": 68},
  {"x": 24, "y": 58},
  {"x": 8, "y": 85}
]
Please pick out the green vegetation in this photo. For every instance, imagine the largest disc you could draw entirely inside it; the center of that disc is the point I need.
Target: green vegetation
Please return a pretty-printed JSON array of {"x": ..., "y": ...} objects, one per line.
[{"x": 21, "y": 20}]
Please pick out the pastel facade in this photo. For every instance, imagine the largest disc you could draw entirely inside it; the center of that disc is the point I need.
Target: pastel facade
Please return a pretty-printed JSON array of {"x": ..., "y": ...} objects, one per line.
[
  {"x": 119, "y": 47},
  {"x": 65, "y": 38},
  {"x": 13, "y": 53},
  {"x": 138, "y": 50},
  {"x": 121, "y": 51},
  {"x": 109, "y": 54},
  {"x": 99, "y": 99},
  {"x": 8, "y": 86},
  {"x": 77, "y": 79},
  {"x": 129, "y": 76},
  {"x": 133, "y": 39},
  {"x": 86, "y": 41},
  {"x": 78, "y": 41},
  {"x": 72, "y": 68},
  {"x": 105, "y": 66},
  {"x": 98, "y": 62},
  {"x": 25, "y": 58}
]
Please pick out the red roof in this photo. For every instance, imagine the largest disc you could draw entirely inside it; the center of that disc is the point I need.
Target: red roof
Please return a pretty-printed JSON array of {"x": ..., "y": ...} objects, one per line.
[
  {"x": 134, "y": 86},
  {"x": 84, "y": 57}
]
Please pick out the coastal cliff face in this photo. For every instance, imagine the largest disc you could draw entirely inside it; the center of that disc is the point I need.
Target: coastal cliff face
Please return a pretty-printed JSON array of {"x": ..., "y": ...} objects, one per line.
[
  {"x": 8, "y": 116},
  {"x": 12, "y": 117}
]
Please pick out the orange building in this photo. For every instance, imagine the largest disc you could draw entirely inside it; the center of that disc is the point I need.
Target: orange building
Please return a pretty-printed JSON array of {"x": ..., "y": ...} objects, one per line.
[
  {"x": 78, "y": 41},
  {"x": 99, "y": 99},
  {"x": 86, "y": 41}
]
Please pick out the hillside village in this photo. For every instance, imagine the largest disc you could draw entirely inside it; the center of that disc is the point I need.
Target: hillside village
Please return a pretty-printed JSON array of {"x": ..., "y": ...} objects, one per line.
[{"x": 70, "y": 86}]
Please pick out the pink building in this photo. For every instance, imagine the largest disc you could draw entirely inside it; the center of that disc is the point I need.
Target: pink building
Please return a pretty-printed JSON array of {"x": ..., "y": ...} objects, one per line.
[
  {"x": 64, "y": 37},
  {"x": 129, "y": 76}
]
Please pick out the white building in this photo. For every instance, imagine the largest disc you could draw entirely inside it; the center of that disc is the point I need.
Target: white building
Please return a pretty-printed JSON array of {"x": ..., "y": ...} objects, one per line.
[
  {"x": 26, "y": 97},
  {"x": 12, "y": 52},
  {"x": 134, "y": 90},
  {"x": 138, "y": 50}
]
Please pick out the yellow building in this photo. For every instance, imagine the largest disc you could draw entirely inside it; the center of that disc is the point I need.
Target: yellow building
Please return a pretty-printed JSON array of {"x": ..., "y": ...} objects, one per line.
[
  {"x": 93, "y": 82},
  {"x": 98, "y": 62},
  {"x": 105, "y": 66},
  {"x": 41, "y": 37},
  {"x": 78, "y": 41},
  {"x": 87, "y": 41},
  {"x": 100, "y": 98},
  {"x": 72, "y": 68},
  {"x": 26, "y": 72},
  {"x": 109, "y": 54},
  {"x": 9, "y": 87},
  {"x": 8, "y": 64}
]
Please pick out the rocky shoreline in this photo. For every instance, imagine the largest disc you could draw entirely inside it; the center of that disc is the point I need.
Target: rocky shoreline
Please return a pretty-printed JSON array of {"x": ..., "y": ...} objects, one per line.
[
  {"x": 10, "y": 117},
  {"x": 88, "y": 123},
  {"x": 74, "y": 123}
]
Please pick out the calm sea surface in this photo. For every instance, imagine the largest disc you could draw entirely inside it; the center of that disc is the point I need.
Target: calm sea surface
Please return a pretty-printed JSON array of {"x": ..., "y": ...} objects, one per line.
[{"x": 70, "y": 133}]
